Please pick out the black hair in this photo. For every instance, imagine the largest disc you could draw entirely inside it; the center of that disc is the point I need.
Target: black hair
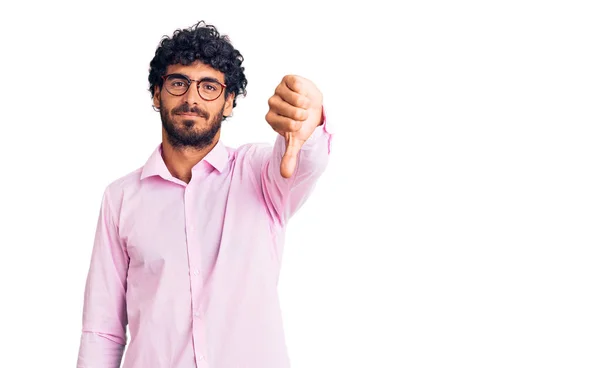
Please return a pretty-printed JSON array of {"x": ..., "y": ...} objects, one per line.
[{"x": 201, "y": 42}]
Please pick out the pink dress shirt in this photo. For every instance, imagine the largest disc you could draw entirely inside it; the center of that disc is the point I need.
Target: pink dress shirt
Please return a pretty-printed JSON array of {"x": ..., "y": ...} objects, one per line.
[{"x": 192, "y": 269}]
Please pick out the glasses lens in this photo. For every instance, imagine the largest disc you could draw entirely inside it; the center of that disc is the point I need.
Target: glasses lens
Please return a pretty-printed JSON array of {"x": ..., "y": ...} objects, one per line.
[
  {"x": 209, "y": 90},
  {"x": 176, "y": 85}
]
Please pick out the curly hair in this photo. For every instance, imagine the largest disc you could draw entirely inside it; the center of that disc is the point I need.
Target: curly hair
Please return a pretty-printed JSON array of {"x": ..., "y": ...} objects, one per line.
[{"x": 201, "y": 42}]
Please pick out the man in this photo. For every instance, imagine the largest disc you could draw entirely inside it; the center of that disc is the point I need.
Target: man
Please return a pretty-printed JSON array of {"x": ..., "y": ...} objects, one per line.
[{"x": 188, "y": 247}]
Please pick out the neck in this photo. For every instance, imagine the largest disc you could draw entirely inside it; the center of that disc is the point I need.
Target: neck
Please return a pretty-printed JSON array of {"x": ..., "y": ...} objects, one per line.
[{"x": 181, "y": 160}]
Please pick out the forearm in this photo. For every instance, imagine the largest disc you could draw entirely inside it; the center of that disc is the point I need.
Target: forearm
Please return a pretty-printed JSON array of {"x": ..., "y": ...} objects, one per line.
[
  {"x": 311, "y": 161},
  {"x": 286, "y": 195},
  {"x": 98, "y": 350}
]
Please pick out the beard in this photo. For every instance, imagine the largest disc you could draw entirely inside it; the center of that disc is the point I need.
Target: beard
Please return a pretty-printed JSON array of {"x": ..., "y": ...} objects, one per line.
[{"x": 188, "y": 134}]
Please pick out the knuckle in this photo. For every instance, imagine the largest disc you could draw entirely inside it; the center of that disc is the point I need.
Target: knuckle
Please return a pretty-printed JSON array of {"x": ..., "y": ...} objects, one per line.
[
  {"x": 297, "y": 85},
  {"x": 269, "y": 117},
  {"x": 301, "y": 102},
  {"x": 299, "y": 114}
]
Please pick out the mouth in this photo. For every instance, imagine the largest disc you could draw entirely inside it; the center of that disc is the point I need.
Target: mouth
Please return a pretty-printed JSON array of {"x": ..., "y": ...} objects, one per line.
[{"x": 189, "y": 115}]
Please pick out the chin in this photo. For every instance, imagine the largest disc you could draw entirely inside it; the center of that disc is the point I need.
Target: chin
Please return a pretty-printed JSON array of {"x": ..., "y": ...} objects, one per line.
[{"x": 189, "y": 123}]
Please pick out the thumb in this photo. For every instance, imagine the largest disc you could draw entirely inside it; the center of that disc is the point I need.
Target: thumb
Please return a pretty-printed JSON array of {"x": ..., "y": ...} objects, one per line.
[{"x": 290, "y": 157}]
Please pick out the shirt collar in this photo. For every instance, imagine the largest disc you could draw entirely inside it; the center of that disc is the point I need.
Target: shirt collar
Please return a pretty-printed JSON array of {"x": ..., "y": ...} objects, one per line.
[{"x": 155, "y": 165}]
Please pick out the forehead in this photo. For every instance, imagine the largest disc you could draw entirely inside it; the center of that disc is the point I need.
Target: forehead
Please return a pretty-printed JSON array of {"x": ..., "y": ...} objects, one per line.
[{"x": 196, "y": 70}]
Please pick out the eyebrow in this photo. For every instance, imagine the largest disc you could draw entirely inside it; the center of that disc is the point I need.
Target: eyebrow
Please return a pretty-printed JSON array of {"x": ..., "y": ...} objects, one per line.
[
  {"x": 204, "y": 79},
  {"x": 210, "y": 79}
]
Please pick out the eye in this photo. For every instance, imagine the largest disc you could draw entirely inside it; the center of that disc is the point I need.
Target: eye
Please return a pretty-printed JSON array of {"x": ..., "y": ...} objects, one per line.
[
  {"x": 177, "y": 82},
  {"x": 209, "y": 87}
]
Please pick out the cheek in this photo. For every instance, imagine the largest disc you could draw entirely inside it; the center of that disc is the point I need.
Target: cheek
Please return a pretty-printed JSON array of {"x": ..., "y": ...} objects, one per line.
[{"x": 168, "y": 103}]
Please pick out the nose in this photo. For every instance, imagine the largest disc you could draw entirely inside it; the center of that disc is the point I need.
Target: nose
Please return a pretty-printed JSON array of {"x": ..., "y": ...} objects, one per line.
[{"x": 192, "y": 97}]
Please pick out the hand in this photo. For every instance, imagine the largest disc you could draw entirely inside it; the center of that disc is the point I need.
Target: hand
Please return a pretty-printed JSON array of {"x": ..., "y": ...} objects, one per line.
[{"x": 295, "y": 110}]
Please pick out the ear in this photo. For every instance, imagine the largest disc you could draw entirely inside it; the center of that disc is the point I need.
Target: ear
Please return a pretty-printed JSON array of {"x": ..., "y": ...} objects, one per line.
[
  {"x": 228, "y": 104},
  {"x": 156, "y": 98}
]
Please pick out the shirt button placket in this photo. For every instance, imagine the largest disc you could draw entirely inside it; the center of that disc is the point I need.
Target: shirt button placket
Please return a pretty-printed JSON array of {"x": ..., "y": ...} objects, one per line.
[
  {"x": 199, "y": 340},
  {"x": 198, "y": 336}
]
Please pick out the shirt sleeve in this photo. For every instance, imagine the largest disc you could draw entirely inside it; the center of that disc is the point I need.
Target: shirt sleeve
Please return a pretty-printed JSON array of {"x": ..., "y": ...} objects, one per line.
[
  {"x": 99, "y": 350},
  {"x": 284, "y": 196},
  {"x": 103, "y": 335}
]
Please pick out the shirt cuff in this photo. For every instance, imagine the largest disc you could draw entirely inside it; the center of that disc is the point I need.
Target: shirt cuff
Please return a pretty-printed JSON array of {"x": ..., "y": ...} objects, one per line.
[{"x": 326, "y": 128}]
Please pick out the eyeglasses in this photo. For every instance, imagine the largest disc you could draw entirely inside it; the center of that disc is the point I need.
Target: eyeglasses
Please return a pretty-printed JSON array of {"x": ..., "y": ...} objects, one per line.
[{"x": 208, "y": 88}]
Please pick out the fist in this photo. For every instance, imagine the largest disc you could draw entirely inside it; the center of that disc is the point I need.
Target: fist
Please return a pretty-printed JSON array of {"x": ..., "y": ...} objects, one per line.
[{"x": 295, "y": 110}]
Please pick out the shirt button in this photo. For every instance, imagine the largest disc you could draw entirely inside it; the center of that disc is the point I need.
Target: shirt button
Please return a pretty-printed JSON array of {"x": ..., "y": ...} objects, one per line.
[
  {"x": 201, "y": 357},
  {"x": 197, "y": 314},
  {"x": 196, "y": 272}
]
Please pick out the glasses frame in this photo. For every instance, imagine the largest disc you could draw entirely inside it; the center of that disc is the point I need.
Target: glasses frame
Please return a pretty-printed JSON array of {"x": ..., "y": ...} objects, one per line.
[{"x": 164, "y": 78}]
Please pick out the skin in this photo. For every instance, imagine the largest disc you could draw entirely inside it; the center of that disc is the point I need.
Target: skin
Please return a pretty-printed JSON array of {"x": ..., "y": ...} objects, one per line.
[{"x": 295, "y": 110}]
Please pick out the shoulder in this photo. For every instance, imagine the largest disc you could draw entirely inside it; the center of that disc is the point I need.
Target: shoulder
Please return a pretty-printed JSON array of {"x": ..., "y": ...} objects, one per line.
[
  {"x": 115, "y": 190},
  {"x": 249, "y": 152}
]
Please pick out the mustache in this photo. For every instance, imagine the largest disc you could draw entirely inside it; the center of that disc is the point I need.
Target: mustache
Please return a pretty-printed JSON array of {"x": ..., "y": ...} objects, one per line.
[{"x": 186, "y": 109}]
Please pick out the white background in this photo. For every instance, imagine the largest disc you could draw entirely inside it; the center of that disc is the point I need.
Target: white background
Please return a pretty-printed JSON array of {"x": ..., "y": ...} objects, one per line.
[{"x": 456, "y": 226}]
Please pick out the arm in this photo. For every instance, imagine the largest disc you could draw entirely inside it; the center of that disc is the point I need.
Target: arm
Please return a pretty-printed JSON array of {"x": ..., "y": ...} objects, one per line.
[
  {"x": 300, "y": 155},
  {"x": 284, "y": 196},
  {"x": 103, "y": 337},
  {"x": 99, "y": 350}
]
